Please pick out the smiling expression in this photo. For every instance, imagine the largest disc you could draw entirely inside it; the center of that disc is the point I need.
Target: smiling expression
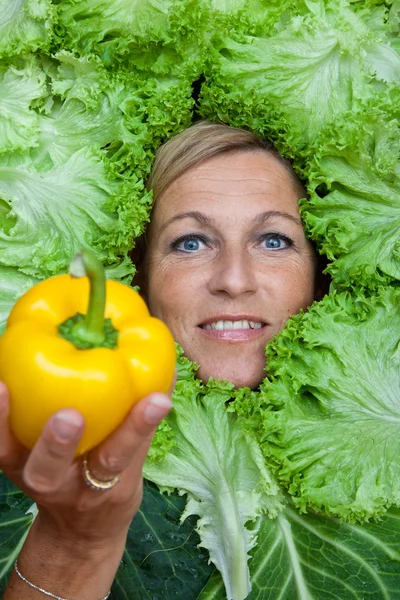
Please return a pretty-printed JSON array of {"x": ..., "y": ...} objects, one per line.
[{"x": 228, "y": 262}]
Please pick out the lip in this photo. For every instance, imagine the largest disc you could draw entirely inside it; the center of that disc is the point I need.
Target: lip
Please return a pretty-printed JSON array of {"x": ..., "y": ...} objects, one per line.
[
  {"x": 233, "y": 335},
  {"x": 232, "y": 318}
]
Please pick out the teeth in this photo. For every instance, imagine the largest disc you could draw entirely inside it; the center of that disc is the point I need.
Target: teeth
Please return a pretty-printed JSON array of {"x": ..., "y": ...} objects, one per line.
[{"x": 222, "y": 325}]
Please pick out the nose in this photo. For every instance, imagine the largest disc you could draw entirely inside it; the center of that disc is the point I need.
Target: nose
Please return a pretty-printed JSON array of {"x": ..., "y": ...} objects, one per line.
[{"x": 233, "y": 274}]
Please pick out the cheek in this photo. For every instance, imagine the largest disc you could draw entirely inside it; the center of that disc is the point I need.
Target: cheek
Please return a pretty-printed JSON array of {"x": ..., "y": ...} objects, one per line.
[
  {"x": 293, "y": 288},
  {"x": 157, "y": 289},
  {"x": 170, "y": 296}
]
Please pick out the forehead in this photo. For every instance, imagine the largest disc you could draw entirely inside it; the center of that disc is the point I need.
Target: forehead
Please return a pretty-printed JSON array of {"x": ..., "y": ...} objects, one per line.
[{"x": 238, "y": 183}]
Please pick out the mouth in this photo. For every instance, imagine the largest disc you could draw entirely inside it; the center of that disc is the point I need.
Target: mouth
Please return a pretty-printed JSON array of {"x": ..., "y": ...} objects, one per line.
[
  {"x": 239, "y": 328},
  {"x": 229, "y": 325}
]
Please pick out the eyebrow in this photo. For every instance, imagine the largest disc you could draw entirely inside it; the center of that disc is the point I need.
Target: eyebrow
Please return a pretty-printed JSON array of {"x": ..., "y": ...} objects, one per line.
[
  {"x": 204, "y": 220},
  {"x": 260, "y": 219},
  {"x": 193, "y": 214}
]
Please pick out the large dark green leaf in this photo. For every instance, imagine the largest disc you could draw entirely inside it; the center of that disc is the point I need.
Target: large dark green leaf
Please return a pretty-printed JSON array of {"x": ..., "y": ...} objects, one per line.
[
  {"x": 15, "y": 520},
  {"x": 298, "y": 557},
  {"x": 161, "y": 560},
  {"x": 313, "y": 557}
]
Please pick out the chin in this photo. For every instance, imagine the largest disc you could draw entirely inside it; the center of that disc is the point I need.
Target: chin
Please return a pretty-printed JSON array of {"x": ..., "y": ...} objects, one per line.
[{"x": 240, "y": 377}]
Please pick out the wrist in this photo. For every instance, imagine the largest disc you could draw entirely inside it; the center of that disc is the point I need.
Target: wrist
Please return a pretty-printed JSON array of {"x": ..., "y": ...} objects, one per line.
[
  {"x": 33, "y": 588},
  {"x": 87, "y": 542},
  {"x": 68, "y": 566}
]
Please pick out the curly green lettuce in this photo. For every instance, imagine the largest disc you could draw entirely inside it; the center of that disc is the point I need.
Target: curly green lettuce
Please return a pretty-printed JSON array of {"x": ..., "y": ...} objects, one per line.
[
  {"x": 353, "y": 211},
  {"x": 319, "y": 61},
  {"x": 13, "y": 284},
  {"x": 21, "y": 83},
  {"x": 206, "y": 453},
  {"x": 156, "y": 37},
  {"x": 25, "y": 25},
  {"x": 331, "y": 406},
  {"x": 76, "y": 145}
]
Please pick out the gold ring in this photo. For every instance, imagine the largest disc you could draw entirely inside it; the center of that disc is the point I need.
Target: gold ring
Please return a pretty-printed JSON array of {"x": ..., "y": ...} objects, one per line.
[{"x": 93, "y": 482}]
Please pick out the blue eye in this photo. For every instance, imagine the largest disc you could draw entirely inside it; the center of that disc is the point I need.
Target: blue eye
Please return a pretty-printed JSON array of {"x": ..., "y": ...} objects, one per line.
[
  {"x": 188, "y": 243},
  {"x": 277, "y": 241}
]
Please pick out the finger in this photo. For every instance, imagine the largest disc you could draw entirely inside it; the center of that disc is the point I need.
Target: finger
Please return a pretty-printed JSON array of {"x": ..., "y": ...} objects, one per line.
[
  {"x": 53, "y": 454},
  {"x": 131, "y": 440},
  {"x": 12, "y": 453}
]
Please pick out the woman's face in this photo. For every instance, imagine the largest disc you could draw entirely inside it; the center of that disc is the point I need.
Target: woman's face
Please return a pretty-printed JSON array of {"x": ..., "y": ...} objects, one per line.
[{"x": 228, "y": 262}]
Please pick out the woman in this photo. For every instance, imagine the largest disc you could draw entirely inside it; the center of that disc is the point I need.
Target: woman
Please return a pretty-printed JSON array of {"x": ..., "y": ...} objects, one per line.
[{"x": 225, "y": 263}]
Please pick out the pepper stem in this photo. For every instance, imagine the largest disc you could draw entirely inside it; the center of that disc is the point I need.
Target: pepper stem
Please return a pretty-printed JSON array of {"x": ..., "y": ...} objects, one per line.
[{"x": 91, "y": 329}]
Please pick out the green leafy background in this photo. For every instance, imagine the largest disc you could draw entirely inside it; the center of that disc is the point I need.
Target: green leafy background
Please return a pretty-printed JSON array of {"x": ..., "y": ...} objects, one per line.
[{"x": 88, "y": 92}]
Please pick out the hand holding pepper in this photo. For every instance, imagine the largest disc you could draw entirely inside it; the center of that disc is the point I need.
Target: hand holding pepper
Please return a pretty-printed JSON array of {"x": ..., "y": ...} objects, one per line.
[
  {"x": 53, "y": 356},
  {"x": 94, "y": 368},
  {"x": 76, "y": 542}
]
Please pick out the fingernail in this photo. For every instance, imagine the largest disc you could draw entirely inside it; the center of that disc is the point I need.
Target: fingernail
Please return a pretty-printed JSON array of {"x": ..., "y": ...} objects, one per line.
[
  {"x": 157, "y": 408},
  {"x": 66, "y": 425}
]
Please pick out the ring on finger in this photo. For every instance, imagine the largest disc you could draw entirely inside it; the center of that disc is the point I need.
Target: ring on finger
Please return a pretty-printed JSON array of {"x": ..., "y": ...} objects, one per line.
[{"x": 93, "y": 482}]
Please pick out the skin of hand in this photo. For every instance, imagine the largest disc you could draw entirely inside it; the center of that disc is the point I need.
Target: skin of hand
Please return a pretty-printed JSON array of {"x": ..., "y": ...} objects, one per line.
[
  {"x": 226, "y": 243},
  {"x": 77, "y": 529}
]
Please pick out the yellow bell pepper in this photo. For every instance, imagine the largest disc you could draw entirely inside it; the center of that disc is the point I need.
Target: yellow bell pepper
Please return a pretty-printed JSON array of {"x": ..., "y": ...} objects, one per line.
[{"x": 53, "y": 357}]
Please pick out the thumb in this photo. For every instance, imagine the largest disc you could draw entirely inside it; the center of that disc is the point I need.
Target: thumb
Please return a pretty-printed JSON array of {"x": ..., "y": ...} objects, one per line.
[
  {"x": 131, "y": 441},
  {"x": 150, "y": 411}
]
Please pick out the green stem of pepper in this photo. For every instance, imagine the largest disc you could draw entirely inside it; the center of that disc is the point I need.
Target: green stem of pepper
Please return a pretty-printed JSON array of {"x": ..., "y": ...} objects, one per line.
[{"x": 91, "y": 329}]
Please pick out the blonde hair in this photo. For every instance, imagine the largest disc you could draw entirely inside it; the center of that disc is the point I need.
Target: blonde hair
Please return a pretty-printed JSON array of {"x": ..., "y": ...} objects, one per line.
[
  {"x": 200, "y": 142},
  {"x": 196, "y": 144}
]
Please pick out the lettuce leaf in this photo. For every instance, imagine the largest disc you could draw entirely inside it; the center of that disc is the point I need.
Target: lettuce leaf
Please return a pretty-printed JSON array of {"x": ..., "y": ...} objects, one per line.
[
  {"x": 154, "y": 36},
  {"x": 52, "y": 214},
  {"x": 77, "y": 142},
  {"x": 218, "y": 464},
  {"x": 25, "y": 25},
  {"x": 13, "y": 284},
  {"x": 246, "y": 17},
  {"x": 16, "y": 516},
  {"x": 162, "y": 558},
  {"x": 80, "y": 104},
  {"x": 20, "y": 84},
  {"x": 322, "y": 61},
  {"x": 314, "y": 557},
  {"x": 331, "y": 412},
  {"x": 353, "y": 211},
  {"x": 86, "y": 24}
]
